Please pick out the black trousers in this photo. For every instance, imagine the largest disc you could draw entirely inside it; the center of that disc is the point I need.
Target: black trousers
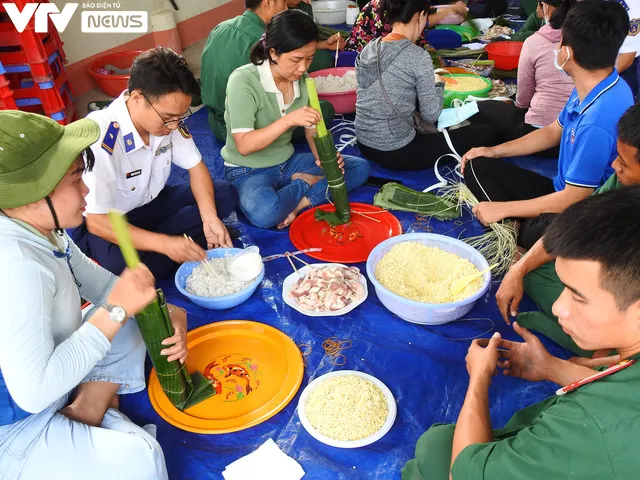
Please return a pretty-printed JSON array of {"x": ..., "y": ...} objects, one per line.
[
  {"x": 507, "y": 122},
  {"x": 491, "y": 179},
  {"x": 423, "y": 151}
]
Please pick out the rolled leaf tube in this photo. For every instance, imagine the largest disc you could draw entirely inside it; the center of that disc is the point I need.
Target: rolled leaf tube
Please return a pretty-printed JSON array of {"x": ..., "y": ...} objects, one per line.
[{"x": 335, "y": 178}]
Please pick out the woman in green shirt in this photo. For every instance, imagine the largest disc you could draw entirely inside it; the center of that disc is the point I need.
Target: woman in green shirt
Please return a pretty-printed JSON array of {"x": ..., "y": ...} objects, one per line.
[{"x": 266, "y": 101}]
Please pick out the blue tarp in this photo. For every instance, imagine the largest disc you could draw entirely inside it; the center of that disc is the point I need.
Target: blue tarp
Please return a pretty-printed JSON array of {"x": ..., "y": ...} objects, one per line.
[{"x": 423, "y": 366}]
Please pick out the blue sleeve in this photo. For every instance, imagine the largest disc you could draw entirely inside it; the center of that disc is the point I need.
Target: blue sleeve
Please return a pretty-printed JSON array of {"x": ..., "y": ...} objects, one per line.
[{"x": 592, "y": 153}]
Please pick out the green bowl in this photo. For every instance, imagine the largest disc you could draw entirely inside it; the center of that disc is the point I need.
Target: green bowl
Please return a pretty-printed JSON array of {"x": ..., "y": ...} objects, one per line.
[{"x": 482, "y": 93}]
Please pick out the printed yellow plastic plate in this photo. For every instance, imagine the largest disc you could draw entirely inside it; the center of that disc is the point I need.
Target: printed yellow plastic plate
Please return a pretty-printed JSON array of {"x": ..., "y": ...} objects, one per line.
[{"x": 256, "y": 371}]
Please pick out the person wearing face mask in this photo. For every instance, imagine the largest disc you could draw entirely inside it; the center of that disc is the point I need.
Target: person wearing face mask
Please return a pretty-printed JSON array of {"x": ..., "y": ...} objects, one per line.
[
  {"x": 62, "y": 371},
  {"x": 396, "y": 82},
  {"x": 142, "y": 135},
  {"x": 585, "y": 130},
  {"x": 543, "y": 90},
  {"x": 266, "y": 101},
  {"x": 589, "y": 428}
]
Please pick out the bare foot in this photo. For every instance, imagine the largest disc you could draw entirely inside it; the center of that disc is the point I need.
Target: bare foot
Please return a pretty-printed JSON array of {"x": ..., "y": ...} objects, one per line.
[
  {"x": 309, "y": 179},
  {"x": 91, "y": 401},
  {"x": 304, "y": 203}
]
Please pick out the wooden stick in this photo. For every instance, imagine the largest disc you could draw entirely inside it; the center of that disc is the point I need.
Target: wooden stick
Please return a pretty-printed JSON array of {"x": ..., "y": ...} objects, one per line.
[
  {"x": 291, "y": 262},
  {"x": 300, "y": 260},
  {"x": 367, "y": 216},
  {"x": 205, "y": 263},
  {"x": 335, "y": 64}
]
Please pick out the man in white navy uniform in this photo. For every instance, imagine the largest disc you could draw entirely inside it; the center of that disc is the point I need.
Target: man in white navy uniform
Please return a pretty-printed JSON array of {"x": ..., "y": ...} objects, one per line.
[
  {"x": 142, "y": 135},
  {"x": 627, "y": 64}
]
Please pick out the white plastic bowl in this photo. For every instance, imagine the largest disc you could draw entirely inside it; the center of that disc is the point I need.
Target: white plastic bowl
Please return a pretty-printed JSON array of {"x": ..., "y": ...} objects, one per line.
[
  {"x": 421, "y": 312},
  {"x": 330, "y": 12},
  {"x": 291, "y": 280},
  {"x": 391, "y": 416}
]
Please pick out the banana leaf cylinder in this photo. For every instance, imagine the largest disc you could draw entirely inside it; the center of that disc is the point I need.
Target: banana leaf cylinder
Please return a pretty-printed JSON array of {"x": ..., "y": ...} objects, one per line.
[{"x": 335, "y": 178}]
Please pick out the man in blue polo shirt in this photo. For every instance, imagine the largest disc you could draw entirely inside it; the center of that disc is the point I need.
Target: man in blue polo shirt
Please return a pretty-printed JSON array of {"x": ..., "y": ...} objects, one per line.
[{"x": 586, "y": 130}]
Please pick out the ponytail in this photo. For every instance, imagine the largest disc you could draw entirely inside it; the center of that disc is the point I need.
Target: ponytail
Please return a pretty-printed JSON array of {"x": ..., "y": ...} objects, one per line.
[{"x": 259, "y": 52}]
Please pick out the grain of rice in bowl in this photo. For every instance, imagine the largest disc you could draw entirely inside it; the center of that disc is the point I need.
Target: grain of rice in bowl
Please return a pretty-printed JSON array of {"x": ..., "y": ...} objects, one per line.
[
  {"x": 425, "y": 274},
  {"x": 347, "y": 408}
]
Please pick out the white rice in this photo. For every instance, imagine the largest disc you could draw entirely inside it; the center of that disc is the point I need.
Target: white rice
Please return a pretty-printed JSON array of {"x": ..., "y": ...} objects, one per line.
[
  {"x": 347, "y": 408},
  {"x": 335, "y": 84},
  {"x": 203, "y": 284}
]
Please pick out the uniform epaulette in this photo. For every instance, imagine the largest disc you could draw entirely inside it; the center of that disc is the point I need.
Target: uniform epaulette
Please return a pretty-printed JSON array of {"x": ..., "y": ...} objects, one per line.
[{"x": 109, "y": 140}]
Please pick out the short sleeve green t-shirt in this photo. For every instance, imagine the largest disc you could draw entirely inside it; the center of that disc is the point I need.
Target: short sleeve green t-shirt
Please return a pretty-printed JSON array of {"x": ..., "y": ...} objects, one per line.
[
  {"x": 587, "y": 434},
  {"x": 254, "y": 102},
  {"x": 611, "y": 184}
]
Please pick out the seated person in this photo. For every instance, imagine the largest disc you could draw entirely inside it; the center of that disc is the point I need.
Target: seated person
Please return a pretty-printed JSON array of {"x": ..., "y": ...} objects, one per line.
[
  {"x": 142, "y": 134},
  {"x": 487, "y": 8},
  {"x": 543, "y": 90},
  {"x": 535, "y": 272},
  {"x": 61, "y": 375},
  {"x": 385, "y": 106},
  {"x": 371, "y": 24},
  {"x": 592, "y": 34},
  {"x": 266, "y": 100},
  {"x": 627, "y": 63},
  {"x": 228, "y": 48},
  {"x": 590, "y": 432},
  {"x": 324, "y": 57}
]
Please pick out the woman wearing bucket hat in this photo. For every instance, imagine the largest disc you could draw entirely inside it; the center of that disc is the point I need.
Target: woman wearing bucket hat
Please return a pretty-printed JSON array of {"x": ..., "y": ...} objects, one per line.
[{"x": 48, "y": 354}]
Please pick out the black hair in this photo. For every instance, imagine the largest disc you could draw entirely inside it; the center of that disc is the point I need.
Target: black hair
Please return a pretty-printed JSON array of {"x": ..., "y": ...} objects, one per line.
[
  {"x": 603, "y": 228},
  {"x": 161, "y": 71},
  {"x": 402, "y": 11},
  {"x": 560, "y": 14},
  {"x": 595, "y": 30},
  {"x": 252, "y": 4},
  {"x": 288, "y": 31},
  {"x": 629, "y": 128},
  {"x": 89, "y": 159}
]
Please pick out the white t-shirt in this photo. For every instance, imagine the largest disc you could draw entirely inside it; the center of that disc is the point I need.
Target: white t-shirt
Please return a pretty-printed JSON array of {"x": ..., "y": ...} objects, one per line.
[
  {"x": 129, "y": 174},
  {"x": 632, "y": 42}
]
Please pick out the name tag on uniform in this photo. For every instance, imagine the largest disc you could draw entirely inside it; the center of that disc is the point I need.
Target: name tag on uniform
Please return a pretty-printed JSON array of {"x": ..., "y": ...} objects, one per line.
[{"x": 133, "y": 174}]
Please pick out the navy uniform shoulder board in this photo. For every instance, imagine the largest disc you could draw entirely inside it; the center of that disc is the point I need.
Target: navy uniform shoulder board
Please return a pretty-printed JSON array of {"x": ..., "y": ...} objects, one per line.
[
  {"x": 184, "y": 131},
  {"x": 109, "y": 140}
]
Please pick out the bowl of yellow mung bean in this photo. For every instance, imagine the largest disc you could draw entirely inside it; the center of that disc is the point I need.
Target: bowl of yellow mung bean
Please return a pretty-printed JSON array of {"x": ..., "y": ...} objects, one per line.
[
  {"x": 462, "y": 85},
  {"x": 413, "y": 273}
]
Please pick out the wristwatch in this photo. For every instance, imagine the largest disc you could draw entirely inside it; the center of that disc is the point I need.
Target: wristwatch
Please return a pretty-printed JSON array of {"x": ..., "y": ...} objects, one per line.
[{"x": 116, "y": 313}]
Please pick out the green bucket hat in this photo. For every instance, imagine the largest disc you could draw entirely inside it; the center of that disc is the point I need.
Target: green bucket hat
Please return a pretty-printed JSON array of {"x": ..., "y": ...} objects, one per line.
[{"x": 35, "y": 154}]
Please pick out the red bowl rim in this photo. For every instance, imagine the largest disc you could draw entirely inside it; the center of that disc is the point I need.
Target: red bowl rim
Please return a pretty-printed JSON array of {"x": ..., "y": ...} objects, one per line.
[{"x": 93, "y": 65}]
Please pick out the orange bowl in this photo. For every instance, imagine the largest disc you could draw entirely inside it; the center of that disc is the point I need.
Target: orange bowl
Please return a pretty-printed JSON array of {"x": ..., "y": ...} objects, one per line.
[{"x": 112, "y": 85}]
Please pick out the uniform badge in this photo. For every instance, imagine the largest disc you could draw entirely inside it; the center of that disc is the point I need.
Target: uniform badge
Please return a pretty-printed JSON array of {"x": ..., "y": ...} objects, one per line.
[
  {"x": 109, "y": 140},
  {"x": 573, "y": 135},
  {"x": 129, "y": 142},
  {"x": 634, "y": 27},
  {"x": 184, "y": 131},
  {"x": 164, "y": 149}
]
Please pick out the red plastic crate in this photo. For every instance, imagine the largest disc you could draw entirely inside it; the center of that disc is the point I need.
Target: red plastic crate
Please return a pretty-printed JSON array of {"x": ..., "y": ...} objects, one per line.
[
  {"x": 52, "y": 99},
  {"x": 48, "y": 71},
  {"x": 64, "y": 117},
  {"x": 28, "y": 46}
]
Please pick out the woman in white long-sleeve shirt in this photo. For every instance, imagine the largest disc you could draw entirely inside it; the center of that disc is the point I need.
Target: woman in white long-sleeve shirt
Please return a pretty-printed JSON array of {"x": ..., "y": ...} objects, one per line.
[{"x": 59, "y": 374}]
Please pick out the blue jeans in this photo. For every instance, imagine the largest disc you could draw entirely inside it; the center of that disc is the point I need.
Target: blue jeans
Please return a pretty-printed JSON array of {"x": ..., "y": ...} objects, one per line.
[{"x": 268, "y": 195}]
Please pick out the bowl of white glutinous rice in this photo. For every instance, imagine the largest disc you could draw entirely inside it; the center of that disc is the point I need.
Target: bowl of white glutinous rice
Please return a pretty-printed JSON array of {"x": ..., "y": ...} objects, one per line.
[
  {"x": 337, "y": 86},
  {"x": 347, "y": 409},
  {"x": 412, "y": 275},
  {"x": 217, "y": 291}
]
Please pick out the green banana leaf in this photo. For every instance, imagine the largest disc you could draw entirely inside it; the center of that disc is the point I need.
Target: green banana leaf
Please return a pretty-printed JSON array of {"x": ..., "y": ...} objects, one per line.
[
  {"x": 394, "y": 196},
  {"x": 335, "y": 178},
  {"x": 182, "y": 389}
]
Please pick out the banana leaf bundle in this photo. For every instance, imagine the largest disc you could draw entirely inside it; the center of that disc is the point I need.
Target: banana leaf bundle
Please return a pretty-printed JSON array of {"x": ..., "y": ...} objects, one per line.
[
  {"x": 328, "y": 157},
  {"x": 182, "y": 389},
  {"x": 394, "y": 196}
]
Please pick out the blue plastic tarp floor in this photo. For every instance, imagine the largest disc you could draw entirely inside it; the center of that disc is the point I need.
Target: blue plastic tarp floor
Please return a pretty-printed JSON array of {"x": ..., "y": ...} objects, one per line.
[{"x": 423, "y": 366}]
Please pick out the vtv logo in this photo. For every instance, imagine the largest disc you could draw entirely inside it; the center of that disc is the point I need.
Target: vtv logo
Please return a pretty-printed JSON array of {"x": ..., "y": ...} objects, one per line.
[{"x": 42, "y": 11}]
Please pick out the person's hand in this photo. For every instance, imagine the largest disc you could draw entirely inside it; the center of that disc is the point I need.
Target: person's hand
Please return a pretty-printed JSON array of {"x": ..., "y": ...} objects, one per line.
[
  {"x": 482, "y": 357},
  {"x": 438, "y": 78},
  {"x": 460, "y": 8},
  {"x": 178, "y": 349},
  {"x": 340, "y": 162},
  {"x": 134, "y": 290},
  {"x": 180, "y": 250},
  {"x": 510, "y": 293},
  {"x": 489, "y": 212},
  {"x": 331, "y": 42},
  {"x": 528, "y": 360},
  {"x": 216, "y": 233},
  {"x": 303, "y": 117},
  {"x": 488, "y": 152}
]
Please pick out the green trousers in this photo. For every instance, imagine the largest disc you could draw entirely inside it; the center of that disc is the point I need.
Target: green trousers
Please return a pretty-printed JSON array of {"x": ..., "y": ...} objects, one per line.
[
  {"x": 433, "y": 455},
  {"x": 544, "y": 287},
  {"x": 219, "y": 128}
]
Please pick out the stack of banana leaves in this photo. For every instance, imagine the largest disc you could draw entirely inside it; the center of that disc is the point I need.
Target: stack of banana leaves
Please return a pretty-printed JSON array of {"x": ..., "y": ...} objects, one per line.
[
  {"x": 328, "y": 157},
  {"x": 182, "y": 389},
  {"x": 394, "y": 196}
]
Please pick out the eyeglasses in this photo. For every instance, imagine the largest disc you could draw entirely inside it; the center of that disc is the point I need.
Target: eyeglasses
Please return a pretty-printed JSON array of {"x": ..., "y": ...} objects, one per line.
[{"x": 168, "y": 123}]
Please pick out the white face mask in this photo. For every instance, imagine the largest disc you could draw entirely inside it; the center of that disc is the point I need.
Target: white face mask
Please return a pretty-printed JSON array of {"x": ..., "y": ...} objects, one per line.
[{"x": 555, "y": 60}]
